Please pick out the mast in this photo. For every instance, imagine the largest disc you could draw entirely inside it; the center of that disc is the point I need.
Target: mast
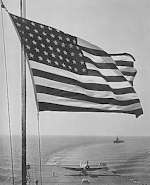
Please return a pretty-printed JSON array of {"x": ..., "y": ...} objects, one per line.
[{"x": 23, "y": 94}]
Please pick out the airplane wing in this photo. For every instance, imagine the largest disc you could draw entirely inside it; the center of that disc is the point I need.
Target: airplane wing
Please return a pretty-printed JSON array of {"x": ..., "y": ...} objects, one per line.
[
  {"x": 72, "y": 168},
  {"x": 98, "y": 168}
]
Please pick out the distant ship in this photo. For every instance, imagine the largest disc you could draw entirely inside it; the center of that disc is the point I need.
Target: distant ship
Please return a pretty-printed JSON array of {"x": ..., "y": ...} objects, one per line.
[{"x": 118, "y": 140}]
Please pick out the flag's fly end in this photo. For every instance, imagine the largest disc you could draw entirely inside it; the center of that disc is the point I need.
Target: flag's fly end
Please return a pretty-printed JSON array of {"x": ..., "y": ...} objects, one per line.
[{"x": 123, "y": 54}]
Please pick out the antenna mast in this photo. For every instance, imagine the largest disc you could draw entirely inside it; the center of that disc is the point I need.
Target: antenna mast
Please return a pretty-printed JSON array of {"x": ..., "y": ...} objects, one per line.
[{"x": 23, "y": 89}]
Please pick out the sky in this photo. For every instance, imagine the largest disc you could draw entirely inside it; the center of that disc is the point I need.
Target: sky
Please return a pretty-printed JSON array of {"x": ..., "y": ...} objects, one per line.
[{"x": 114, "y": 25}]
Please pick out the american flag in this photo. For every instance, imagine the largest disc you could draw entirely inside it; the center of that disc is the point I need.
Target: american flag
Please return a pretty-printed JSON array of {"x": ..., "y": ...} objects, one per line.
[{"x": 71, "y": 74}]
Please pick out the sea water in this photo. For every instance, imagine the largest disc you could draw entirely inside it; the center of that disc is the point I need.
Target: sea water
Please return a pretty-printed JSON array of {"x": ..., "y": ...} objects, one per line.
[{"x": 130, "y": 159}]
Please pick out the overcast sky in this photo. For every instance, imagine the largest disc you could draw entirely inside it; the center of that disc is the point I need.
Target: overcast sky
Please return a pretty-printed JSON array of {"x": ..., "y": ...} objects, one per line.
[{"x": 114, "y": 25}]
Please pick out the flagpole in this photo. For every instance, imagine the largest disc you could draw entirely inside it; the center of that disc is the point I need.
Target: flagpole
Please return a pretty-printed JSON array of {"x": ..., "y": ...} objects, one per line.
[{"x": 23, "y": 87}]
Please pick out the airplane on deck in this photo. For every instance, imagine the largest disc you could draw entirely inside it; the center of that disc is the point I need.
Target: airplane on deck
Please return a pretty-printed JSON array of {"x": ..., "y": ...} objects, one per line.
[{"x": 85, "y": 168}]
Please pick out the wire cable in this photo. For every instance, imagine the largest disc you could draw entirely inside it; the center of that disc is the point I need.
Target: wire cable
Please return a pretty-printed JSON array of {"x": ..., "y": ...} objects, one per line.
[
  {"x": 39, "y": 139},
  {"x": 7, "y": 95}
]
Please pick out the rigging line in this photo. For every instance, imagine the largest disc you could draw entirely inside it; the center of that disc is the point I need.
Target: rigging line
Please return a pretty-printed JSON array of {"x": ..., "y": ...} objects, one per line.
[
  {"x": 7, "y": 95},
  {"x": 3, "y": 6},
  {"x": 39, "y": 140}
]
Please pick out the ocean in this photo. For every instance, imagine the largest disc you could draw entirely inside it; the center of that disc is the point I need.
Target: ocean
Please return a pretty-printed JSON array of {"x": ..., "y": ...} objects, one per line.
[{"x": 129, "y": 160}]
